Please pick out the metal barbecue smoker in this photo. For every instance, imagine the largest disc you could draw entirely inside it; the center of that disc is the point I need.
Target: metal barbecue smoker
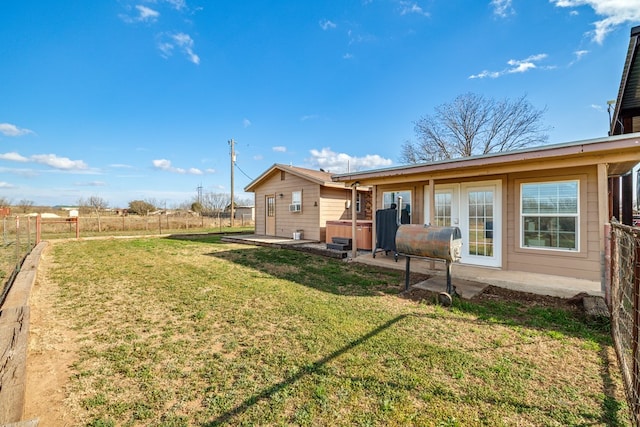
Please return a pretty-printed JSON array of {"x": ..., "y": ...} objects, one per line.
[{"x": 430, "y": 242}]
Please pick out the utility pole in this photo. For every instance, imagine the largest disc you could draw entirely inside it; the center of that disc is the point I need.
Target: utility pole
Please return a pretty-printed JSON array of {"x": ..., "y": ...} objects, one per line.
[
  {"x": 199, "y": 190},
  {"x": 233, "y": 161}
]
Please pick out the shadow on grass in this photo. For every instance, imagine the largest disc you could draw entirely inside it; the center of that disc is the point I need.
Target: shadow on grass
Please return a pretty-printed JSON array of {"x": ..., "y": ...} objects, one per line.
[
  {"x": 342, "y": 278},
  {"x": 228, "y": 416},
  {"x": 317, "y": 272}
]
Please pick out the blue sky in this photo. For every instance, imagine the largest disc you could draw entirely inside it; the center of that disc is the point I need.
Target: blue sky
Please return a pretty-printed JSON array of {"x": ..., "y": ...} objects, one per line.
[{"x": 130, "y": 100}]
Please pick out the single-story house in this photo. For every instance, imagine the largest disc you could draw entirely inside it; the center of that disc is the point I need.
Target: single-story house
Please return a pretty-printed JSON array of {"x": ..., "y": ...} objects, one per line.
[
  {"x": 291, "y": 199},
  {"x": 539, "y": 210}
]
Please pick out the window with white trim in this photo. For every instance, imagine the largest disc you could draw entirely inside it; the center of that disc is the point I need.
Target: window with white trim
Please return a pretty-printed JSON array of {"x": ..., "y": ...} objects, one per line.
[
  {"x": 296, "y": 201},
  {"x": 550, "y": 215}
]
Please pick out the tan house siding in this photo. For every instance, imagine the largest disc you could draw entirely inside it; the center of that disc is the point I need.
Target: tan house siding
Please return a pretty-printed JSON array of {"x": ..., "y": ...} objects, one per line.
[
  {"x": 583, "y": 264},
  {"x": 322, "y": 200}
]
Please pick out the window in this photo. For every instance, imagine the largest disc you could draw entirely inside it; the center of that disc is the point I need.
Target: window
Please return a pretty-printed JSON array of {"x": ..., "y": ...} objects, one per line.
[
  {"x": 402, "y": 201},
  {"x": 443, "y": 208},
  {"x": 271, "y": 206},
  {"x": 296, "y": 201},
  {"x": 358, "y": 201},
  {"x": 549, "y": 215}
]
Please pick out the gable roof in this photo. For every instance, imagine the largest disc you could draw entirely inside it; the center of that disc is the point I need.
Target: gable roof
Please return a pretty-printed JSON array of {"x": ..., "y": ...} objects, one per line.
[
  {"x": 318, "y": 177},
  {"x": 629, "y": 93}
]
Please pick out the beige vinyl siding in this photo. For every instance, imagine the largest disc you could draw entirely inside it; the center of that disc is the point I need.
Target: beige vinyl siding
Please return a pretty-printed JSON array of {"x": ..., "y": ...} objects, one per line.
[
  {"x": 333, "y": 207},
  {"x": 582, "y": 264},
  {"x": 288, "y": 222}
]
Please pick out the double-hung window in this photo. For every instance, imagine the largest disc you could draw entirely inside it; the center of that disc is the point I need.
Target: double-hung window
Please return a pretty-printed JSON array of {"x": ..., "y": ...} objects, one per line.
[{"x": 550, "y": 215}]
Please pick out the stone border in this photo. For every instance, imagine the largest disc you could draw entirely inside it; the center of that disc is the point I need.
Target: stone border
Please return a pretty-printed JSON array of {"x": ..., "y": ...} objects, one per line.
[{"x": 14, "y": 342}]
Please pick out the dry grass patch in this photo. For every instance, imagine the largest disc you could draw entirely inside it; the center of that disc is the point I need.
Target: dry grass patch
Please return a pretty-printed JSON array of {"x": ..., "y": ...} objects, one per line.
[{"x": 178, "y": 332}]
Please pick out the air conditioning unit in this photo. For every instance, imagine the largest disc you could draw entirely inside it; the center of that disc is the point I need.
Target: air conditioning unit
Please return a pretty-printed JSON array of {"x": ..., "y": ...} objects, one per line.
[{"x": 296, "y": 207}]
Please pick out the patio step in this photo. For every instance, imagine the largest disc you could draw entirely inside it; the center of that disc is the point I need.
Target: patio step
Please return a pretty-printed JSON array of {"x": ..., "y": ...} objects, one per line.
[
  {"x": 338, "y": 246},
  {"x": 344, "y": 242}
]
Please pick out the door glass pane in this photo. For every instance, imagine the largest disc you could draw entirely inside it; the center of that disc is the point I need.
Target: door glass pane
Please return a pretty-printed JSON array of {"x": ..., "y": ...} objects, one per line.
[
  {"x": 271, "y": 206},
  {"x": 480, "y": 233},
  {"x": 443, "y": 209}
]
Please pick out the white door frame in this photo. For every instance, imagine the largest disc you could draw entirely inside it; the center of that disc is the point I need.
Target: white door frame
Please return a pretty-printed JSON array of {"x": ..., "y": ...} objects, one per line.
[{"x": 460, "y": 217}]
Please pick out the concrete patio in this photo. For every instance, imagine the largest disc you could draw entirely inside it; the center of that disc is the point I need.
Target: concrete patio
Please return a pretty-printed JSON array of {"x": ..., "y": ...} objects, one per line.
[{"x": 468, "y": 280}]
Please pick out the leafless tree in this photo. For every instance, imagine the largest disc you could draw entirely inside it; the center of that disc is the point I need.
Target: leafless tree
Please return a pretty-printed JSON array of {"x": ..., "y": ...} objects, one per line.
[
  {"x": 213, "y": 203},
  {"x": 97, "y": 205},
  {"x": 4, "y": 202},
  {"x": 473, "y": 125},
  {"x": 25, "y": 205}
]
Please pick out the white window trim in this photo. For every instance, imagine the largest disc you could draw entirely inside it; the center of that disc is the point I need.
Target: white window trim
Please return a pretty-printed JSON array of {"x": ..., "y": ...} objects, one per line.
[{"x": 576, "y": 215}]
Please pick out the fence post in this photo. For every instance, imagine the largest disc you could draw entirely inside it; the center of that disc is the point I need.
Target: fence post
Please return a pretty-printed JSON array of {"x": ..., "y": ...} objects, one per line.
[
  {"x": 38, "y": 228},
  {"x": 636, "y": 326},
  {"x": 608, "y": 238},
  {"x": 17, "y": 239}
]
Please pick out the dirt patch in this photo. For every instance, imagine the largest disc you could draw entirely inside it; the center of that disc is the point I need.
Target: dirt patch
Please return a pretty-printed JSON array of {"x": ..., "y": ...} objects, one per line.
[
  {"x": 52, "y": 351},
  {"x": 497, "y": 294}
]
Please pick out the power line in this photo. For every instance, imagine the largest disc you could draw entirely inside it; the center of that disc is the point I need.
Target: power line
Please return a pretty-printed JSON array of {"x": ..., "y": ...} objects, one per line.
[{"x": 243, "y": 173}]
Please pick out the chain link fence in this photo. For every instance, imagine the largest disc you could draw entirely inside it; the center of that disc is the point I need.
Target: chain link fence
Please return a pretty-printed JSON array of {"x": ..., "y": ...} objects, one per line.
[
  {"x": 625, "y": 308},
  {"x": 18, "y": 239}
]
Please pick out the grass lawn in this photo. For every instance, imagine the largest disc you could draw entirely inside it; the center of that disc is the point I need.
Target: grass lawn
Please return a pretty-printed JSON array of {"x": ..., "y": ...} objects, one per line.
[{"x": 199, "y": 332}]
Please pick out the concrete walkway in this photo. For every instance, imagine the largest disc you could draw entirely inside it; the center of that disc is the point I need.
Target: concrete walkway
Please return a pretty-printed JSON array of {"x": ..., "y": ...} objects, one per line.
[{"x": 468, "y": 280}]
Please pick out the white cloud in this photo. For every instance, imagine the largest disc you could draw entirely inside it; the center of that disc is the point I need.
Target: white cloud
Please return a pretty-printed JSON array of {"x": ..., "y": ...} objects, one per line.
[
  {"x": 52, "y": 160},
  {"x": 613, "y": 12},
  {"x": 182, "y": 41},
  {"x": 309, "y": 117},
  {"x": 91, "y": 184},
  {"x": 63, "y": 163},
  {"x": 515, "y": 66},
  {"x": 141, "y": 14},
  {"x": 258, "y": 157},
  {"x": 347, "y": 56},
  {"x": 597, "y": 107},
  {"x": 246, "y": 122},
  {"x": 4, "y": 184},
  {"x": 146, "y": 13},
  {"x": 580, "y": 53},
  {"x": 8, "y": 129},
  {"x": 279, "y": 149},
  {"x": 340, "y": 162},
  {"x": 14, "y": 157},
  {"x": 165, "y": 165},
  {"x": 327, "y": 25},
  {"x": 177, "y": 4},
  {"x": 502, "y": 8},
  {"x": 407, "y": 7}
]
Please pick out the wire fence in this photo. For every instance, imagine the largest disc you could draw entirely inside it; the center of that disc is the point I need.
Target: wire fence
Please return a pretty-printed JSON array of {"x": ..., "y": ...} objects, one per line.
[
  {"x": 21, "y": 233},
  {"x": 18, "y": 239},
  {"x": 625, "y": 308}
]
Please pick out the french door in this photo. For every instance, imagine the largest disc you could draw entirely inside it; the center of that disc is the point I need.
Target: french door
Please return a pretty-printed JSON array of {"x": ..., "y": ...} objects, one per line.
[{"x": 474, "y": 207}]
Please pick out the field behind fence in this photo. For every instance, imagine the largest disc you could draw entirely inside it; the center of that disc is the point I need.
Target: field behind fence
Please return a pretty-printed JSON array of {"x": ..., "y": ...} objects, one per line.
[{"x": 19, "y": 232}]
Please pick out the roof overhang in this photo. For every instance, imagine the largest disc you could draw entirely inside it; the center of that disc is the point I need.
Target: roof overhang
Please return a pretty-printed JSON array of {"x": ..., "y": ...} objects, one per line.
[{"x": 621, "y": 153}]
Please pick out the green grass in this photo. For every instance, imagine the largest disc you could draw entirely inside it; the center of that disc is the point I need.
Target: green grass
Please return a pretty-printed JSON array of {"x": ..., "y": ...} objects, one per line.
[{"x": 198, "y": 332}]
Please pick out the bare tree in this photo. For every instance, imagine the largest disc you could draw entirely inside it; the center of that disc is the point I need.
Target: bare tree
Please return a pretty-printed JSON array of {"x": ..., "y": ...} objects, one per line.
[
  {"x": 97, "y": 205},
  {"x": 215, "y": 203},
  {"x": 4, "y": 202},
  {"x": 473, "y": 125},
  {"x": 25, "y": 205}
]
